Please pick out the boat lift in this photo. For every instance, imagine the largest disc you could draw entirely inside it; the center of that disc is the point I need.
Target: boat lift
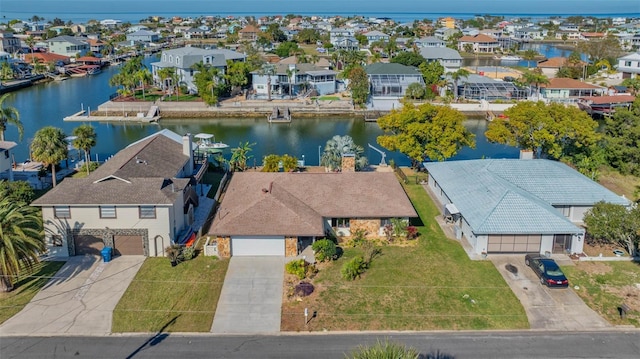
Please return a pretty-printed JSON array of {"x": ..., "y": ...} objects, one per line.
[{"x": 384, "y": 155}]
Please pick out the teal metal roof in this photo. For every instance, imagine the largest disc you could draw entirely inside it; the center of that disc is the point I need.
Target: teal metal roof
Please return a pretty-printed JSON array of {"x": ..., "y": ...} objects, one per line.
[{"x": 517, "y": 196}]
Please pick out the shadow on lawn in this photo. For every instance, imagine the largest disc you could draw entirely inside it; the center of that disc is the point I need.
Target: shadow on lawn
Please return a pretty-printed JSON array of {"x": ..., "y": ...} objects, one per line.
[{"x": 156, "y": 339}]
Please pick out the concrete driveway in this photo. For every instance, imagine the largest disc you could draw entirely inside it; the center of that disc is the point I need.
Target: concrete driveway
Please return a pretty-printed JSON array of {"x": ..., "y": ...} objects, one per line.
[
  {"x": 546, "y": 308},
  {"x": 251, "y": 298},
  {"x": 79, "y": 300}
]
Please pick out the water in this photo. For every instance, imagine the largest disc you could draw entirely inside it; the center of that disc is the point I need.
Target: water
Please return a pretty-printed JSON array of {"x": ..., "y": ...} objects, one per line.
[{"x": 47, "y": 104}]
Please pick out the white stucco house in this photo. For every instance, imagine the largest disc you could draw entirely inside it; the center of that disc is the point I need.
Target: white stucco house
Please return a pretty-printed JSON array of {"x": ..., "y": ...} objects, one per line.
[
  {"x": 68, "y": 46},
  {"x": 629, "y": 65},
  {"x": 6, "y": 159},
  {"x": 138, "y": 202},
  {"x": 516, "y": 206}
]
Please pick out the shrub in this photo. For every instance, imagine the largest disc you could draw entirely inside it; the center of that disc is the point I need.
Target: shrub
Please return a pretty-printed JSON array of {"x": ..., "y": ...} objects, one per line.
[
  {"x": 297, "y": 268},
  {"x": 353, "y": 268},
  {"x": 388, "y": 232},
  {"x": 325, "y": 250},
  {"x": 369, "y": 252},
  {"x": 412, "y": 232},
  {"x": 358, "y": 237},
  {"x": 303, "y": 289},
  {"x": 399, "y": 226},
  {"x": 385, "y": 350},
  {"x": 188, "y": 253}
]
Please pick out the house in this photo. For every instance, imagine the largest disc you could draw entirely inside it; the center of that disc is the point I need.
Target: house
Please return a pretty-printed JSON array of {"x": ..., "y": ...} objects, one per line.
[
  {"x": 450, "y": 59},
  {"x": 391, "y": 79},
  {"x": 430, "y": 41},
  {"x": 516, "y": 206},
  {"x": 551, "y": 66},
  {"x": 68, "y": 46},
  {"x": 144, "y": 36},
  {"x": 337, "y": 34},
  {"x": 6, "y": 159},
  {"x": 272, "y": 214},
  {"x": 479, "y": 43},
  {"x": 8, "y": 42},
  {"x": 444, "y": 33},
  {"x": 530, "y": 33},
  {"x": 291, "y": 79},
  {"x": 480, "y": 87},
  {"x": 569, "y": 90},
  {"x": 629, "y": 65},
  {"x": 138, "y": 202},
  {"x": 347, "y": 44},
  {"x": 248, "y": 33},
  {"x": 373, "y": 36},
  {"x": 448, "y": 22},
  {"x": 95, "y": 45},
  {"x": 605, "y": 105},
  {"x": 183, "y": 59}
]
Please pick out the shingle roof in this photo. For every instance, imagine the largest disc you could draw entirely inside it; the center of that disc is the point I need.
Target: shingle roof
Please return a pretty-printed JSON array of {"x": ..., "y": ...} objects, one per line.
[
  {"x": 444, "y": 53},
  {"x": 296, "y": 203},
  {"x": 380, "y": 68},
  {"x": 565, "y": 83},
  {"x": 517, "y": 196}
]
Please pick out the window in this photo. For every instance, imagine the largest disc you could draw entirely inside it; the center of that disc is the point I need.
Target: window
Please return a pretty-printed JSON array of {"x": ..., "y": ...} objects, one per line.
[
  {"x": 147, "y": 211},
  {"x": 340, "y": 222},
  {"x": 62, "y": 212},
  {"x": 108, "y": 212},
  {"x": 56, "y": 240}
]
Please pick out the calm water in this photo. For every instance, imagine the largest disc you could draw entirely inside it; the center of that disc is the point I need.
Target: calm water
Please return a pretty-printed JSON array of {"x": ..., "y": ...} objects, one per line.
[{"x": 47, "y": 104}]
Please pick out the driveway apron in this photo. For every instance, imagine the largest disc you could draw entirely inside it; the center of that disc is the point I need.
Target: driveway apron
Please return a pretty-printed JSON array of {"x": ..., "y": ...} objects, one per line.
[
  {"x": 251, "y": 297},
  {"x": 79, "y": 300},
  {"x": 546, "y": 308}
]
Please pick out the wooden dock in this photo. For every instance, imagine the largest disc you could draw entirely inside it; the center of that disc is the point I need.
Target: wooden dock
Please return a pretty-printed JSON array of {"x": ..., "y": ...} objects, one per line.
[{"x": 84, "y": 118}]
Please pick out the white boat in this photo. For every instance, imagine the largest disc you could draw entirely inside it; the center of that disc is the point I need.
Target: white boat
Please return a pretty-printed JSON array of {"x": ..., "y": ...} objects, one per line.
[
  {"x": 207, "y": 142},
  {"x": 510, "y": 58}
]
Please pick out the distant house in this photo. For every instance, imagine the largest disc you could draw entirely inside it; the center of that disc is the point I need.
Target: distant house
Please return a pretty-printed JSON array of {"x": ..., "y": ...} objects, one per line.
[
  {"x": 336, "y": 35},
  {"x": 551, "y": 66},
  {"x": 143, "y": 36},
  {"x": 275, "y": 214},
  {"x": 373, "y": 36},
  {"x": 444, "y": 33},
  {"x": 295, "y": 79},
  {"x": 140, "y": 201},
  {"x": 450, "y": 59},
  {"x": 529, "y": 33},
  {"x": 6, "y": 159},
  {"x": 8, "y": 42},
  {"x": 569, "y": 90},
  {"x": 248, "y": 33},
  {"x": 346, "y": 43},
  {"x": 430, "y": 41},
  {"x": 480, "y": 43},
  {"x": 391, "y": 79},
  {"x": 95, "y": 45},
  {"x": 68, "y": 46},
  {"x": 195, "y": 33},
  {"x": 516, "y": 206},
  {"x": 629, "y": 65}
]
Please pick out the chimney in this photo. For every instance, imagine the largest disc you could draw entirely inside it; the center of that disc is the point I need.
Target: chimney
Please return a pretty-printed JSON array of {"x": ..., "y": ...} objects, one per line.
[
  {"x": 526, "y": 154},
  {"x": 348, "y": 162},
  {"x": 187, "y": 150}
]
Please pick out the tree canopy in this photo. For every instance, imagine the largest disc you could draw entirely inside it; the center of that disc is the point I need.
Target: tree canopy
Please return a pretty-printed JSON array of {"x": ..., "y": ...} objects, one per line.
[
  {"x": 614, "y": 224},
  {"x": 408, "y": 58},
  {"x": 49, "y": 147},
  {"x": 622, "y": 139},
  {"x": 359, "y": 85},
  {"x": 9, "y": 115},
  {"x": 338, "y": 146},
  {"x": 85, "y": 140},
  {"x": 425, "y": 132},
  {"x": 553, "y": 130}
]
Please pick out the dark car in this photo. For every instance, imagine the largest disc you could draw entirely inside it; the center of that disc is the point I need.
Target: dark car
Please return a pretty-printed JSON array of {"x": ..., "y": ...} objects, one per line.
[{"x": 547, "y": 270}]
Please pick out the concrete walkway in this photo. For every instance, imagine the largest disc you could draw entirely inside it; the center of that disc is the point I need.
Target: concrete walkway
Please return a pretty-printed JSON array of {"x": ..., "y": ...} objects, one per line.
[
  {"x": 79, "y": 300},
  {"x": 251, "y": 298},
  {"x": 546, "y": 308}
]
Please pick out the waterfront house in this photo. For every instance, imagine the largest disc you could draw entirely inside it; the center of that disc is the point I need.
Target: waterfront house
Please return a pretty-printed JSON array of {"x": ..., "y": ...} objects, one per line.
[
  {"x": 430, "y": 41},
  {"x": 6, "y": 159},
  {"x": 629, "y": 65},
  {"x": 275, "y": 214},
  {"x": 516, "y": 206},
  {"x": 569, "y": 90},
  {"x": 444, "y": 33},
  {"x": 450, "y": 59},
  {"x": 391, "y": 79},
  {"x": 8, "y": 42},
  {"x": 551, "y": 66},
  {"x": 337, "y": 34},
  {"x": 143, "y": 36},
  {"x": 373, "y": 36},
  {"x": 480, "y": 43},
  {"x": 138, "y": 202},
  {"x": 68, "y": 46},
  {"x": 290, "y": 79}
]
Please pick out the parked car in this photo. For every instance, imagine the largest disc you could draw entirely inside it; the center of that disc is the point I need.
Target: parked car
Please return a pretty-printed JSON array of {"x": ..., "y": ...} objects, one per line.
[{"x": 547, "y": 270}]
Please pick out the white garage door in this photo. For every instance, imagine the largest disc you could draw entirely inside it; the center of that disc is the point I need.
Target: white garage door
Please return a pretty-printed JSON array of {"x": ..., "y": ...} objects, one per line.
[{"x": 257, "y": 246}]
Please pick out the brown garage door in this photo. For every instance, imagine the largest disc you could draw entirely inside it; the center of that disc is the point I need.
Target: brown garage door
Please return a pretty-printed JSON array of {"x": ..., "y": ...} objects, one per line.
[
  {"x": 510, "y": 243},
  {"x": 88, "y": 245},
  {"x": 128, "y": 245}
]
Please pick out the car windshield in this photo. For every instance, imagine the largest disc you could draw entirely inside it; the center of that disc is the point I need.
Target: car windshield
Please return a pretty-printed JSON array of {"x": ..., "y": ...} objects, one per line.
[{"x": 553, "y": 270}]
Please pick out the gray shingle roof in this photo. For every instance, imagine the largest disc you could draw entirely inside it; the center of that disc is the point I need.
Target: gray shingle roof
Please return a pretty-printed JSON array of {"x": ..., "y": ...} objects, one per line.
[
  {"x": 380, "y": 68},
  {"x": 517, "y": 196},
  {"x": 438, "y": 53}
]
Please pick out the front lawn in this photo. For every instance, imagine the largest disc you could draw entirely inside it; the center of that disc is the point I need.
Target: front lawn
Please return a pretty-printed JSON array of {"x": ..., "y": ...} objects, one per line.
[
  {"x": 171, "y": 299},
  {"x": 430, "y": 286},
  {"x": 28, "y": 285},
  {"x": 604, "y": 286}
]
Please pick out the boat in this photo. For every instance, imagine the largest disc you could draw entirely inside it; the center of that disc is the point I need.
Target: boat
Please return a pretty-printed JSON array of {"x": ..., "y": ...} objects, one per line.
[
  {"x": 207, "y": 143},
  {"x": 510, "y": 58}
]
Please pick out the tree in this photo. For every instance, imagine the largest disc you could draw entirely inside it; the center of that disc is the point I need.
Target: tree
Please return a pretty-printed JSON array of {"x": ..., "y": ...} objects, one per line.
[
  {"x": 268, "y": 70},
  {"x": 144, "y": 77},
  {"x": 237, "y": 74},
  {"x": 415, "y": 90},
  {"x": 358, "y": 85},
  {"x": 209, "y": 82},
  {"x": 31, "y": 43},
  {"x": 286, "y": 48},
  {"x": 425, "y": 132},
  {"x": 9, "y": 115},
  {"x": 529, "y": 55},
  {"x": 336, "y": 148},
  {"x": 49, "y": 147},
  {"x": 431, "y": 72},
  {"x": 21, "y": 239},
  {"x": 240, "y": 155},
  {"x": 621, "y": 138},
  {"x": 456, "y": 77},
  {"x": 18, "y": 190},
  {"x": 271, "y": 163},
  {"x": 308, "y": 36},
  {"x": 553, "y": 130},
  {"x": 409, "y": 58},
  {"x": 85, "y": 140},
  {"x": 633, "y": 84},
  {"x": 535, "y": 78},
  {"x": 614, "y": 224},
  {"x": 598, "y": 49}
]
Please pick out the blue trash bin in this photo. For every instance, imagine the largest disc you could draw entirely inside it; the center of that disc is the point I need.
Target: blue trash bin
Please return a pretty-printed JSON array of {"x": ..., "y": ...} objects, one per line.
[{"x": 106, "y": 254}]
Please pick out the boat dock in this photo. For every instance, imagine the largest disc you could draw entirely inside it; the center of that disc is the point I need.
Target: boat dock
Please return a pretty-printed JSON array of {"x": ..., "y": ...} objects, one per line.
[
  {"x": 280, "y": 116},
  {"x": 80, "y": 117}
]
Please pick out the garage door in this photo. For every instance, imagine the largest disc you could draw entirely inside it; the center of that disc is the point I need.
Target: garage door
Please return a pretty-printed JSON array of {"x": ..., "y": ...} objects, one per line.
[
  {"x": 257, "y": 246},
  {"x": 88, "y": 245},
  {"x": 519, "y": 243},
  {"x": 128, "y": 245}
]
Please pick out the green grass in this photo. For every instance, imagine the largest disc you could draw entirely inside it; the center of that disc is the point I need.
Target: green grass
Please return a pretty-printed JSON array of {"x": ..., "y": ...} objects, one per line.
[
  {"x": 28, "y": 285},
  {"x": 424, "y": 287},
  {"x": 605, "y": 285},
  {"x": 181, "y": 98},
  {"x": 171, "y": 299},
  {"x": 326, "y": 98}
]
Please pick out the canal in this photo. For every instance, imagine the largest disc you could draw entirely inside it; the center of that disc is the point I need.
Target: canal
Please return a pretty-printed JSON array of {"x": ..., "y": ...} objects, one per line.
[{"x": 47, "y": 104}]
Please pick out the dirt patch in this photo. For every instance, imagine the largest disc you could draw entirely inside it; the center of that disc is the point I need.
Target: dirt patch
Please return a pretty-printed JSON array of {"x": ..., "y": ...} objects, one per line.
[
  {"x": 594, "y": 250},
  {"x": 629, "y": 295},
  {"x": 595, "y": 267}
]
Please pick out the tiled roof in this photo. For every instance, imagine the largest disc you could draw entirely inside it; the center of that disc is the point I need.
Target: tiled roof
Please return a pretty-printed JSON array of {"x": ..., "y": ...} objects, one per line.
[
  {"x": 517, "y": 196},
  {"x": 477, "y": 38},
  {"x": 296, "y": 203},
  {"x": 565, "y": 83},
  {"x": 599, "y": 100}
]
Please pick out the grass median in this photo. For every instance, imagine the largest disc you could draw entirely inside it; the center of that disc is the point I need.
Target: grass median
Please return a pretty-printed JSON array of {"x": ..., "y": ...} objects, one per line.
[
  {"x": 171, "y": 299},
  {"x": 432, "y": 285}
]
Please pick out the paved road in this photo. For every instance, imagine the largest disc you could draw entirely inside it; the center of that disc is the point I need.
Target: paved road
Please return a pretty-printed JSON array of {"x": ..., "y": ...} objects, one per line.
[
  {"x": 251, "y": 297},
  {"x": 551, "y": 309},
  {"x": 79, "y": 300},
  {"x": 458, "y": 345}
]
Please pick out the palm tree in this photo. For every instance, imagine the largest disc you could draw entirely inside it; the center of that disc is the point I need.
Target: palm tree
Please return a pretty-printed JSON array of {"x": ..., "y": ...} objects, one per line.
[
  {"x": 85, "y": 140},
  {"x": 9, "y": 115},
  {"x": 529, "y": 55},
  {"x": 143, "y": 76},
  {"x": 21, "y": 239},
  {"x": 290, "y": 73},
  {"x": 166, "y": 73},
  {"x": 338, "y": 146},
  {"x": 269, "y": 70},
  {"x": 536, "y": 78},
  {"x": 456, "y": 76},
  {"x": 240, "y": 155},
  {"x": 31, "y": 43},
  {"x": 49, "y": 147}
]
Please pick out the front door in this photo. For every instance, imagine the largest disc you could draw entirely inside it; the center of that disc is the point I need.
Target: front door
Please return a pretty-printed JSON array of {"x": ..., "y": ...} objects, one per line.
[{"x": 562, "y": 243}]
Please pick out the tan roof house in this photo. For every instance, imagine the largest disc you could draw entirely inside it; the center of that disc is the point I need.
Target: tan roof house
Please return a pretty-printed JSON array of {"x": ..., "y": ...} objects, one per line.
[
  {"x": 265, "y": 214},
  {"x": 138, "y": 202},
  {"x": 481, "y": 43},
  {"x": 551, "y": 66},
  {"x": 248, "y": 33},
  {"x": 569, "y": 90}
]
